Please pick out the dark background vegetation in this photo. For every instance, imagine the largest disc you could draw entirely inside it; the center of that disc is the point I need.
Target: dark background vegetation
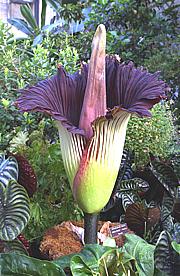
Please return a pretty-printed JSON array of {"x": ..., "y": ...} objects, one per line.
[{"x": 146, "y": 32}]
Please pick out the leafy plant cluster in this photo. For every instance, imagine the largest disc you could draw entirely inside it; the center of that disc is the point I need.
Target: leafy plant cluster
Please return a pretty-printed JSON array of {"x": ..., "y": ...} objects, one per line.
[
  {"x": 14, "y": 206},
  {"x": 93, "y": 260},
  {"x": 138, "y": 30},
  {"x": 151, "y": 135},
  {"x": 148, "y": 201},
  {"x": 146, "y": 32},
  {"x": 53, "y": 201},
  {"x": 135, "y": 257},
  {"x": 28, "y": 66},
  {"x": 66, "y": 14},
  {"x": 22, "y": 65}
]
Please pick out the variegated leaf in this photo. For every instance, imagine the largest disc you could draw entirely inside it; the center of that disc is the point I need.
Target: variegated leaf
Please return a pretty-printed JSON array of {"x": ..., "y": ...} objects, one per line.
[
  {"x": 8, "y": 169},
  {"x": 14, "y": 210},
  {"x": 13, "y": 246},
  {"x": 155, "y": 237},
  {"x": 176, "y": 232},
  {"x": 166, "y": 259},
  {"x": 164, "y": 173},
  {"x": 134, "y": 184},
  {"x": 128, "y": 199},
  {"x": 166, "y": 210},
  {"x": 125, "y": 170}
]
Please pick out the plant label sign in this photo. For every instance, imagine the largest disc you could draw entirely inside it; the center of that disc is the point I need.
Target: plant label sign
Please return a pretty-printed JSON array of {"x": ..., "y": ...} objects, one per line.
[{"x": 118, "y": 230}]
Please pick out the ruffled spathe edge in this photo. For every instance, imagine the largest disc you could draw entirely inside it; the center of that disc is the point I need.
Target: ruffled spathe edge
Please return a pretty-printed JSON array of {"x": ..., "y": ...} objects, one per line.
[
  {"x": 66, "y": 88},
  {"x": 61, "y": 96}
]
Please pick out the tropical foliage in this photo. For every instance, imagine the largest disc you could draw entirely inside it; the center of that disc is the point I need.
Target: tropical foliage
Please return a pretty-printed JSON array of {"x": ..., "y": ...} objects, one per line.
[
  {"x": 14, "y": 206},
  {"x": 145, "y": 195}
]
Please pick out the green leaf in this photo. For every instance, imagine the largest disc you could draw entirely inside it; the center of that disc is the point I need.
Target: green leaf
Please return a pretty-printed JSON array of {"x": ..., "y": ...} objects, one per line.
[
  {"x": 112, "y": 263},
  {"x": 43, "y": 13},
  {"x": 141, "y": 252},
  {"x": 14, "y": 210},
  {"x": 16, "y": 264},
  {"x": 64, "y": 261},
  {"x": 27, "y": 14},
  {"x": 54, "y": 4},
  {"x": 38, "y": 39},
  {"x": 176, "y": 246},
  {"x": 95, "y": 259},
  {"x": 100, "y": 260},
  {"x": 21, "y": 25},
  {"x": 86, "y": 262}
]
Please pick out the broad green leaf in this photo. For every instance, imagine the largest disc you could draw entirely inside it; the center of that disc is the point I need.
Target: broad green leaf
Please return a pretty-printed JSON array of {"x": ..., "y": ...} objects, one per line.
[
  {"x": 97, "y": 260},
  {"x": 176, "y": 246},
  {"x": 94, "y": 260},
  {"x": 16, "y": 264},
  {"x": 87, "y": 260},
  {"x": 79, "y": 267},
  {"x": 112, "y": 262},
  {"x": 21, "y": 25},
  {"x": 64, "y": 261},
  {"x": 141, "y": 252},
  {"x": 14, "y": 210},
  {"x": 26, "y": 12}
]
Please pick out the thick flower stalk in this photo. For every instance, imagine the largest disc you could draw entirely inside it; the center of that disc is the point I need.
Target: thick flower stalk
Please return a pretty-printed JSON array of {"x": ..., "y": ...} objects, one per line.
[{"x": 92, "y": 108}]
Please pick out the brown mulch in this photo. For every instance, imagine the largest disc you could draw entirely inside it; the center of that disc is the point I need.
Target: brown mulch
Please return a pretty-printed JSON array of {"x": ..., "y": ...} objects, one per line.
[{"x": 60, "y": 240}]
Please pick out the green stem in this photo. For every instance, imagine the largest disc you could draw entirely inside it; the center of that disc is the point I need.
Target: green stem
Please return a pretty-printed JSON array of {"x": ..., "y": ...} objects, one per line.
[{"x": 90, "y": 228}]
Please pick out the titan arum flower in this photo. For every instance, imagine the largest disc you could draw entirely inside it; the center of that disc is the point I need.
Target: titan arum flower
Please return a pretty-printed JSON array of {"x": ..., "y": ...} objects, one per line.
[{"x": 92, "y": 108}]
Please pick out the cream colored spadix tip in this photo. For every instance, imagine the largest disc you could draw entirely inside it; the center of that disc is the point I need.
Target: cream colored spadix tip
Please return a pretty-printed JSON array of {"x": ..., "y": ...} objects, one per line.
[
  {"x": 100, "y": 31},
  {"x": 101, "y": 28},
  {"x": 99, "y": 39}
]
